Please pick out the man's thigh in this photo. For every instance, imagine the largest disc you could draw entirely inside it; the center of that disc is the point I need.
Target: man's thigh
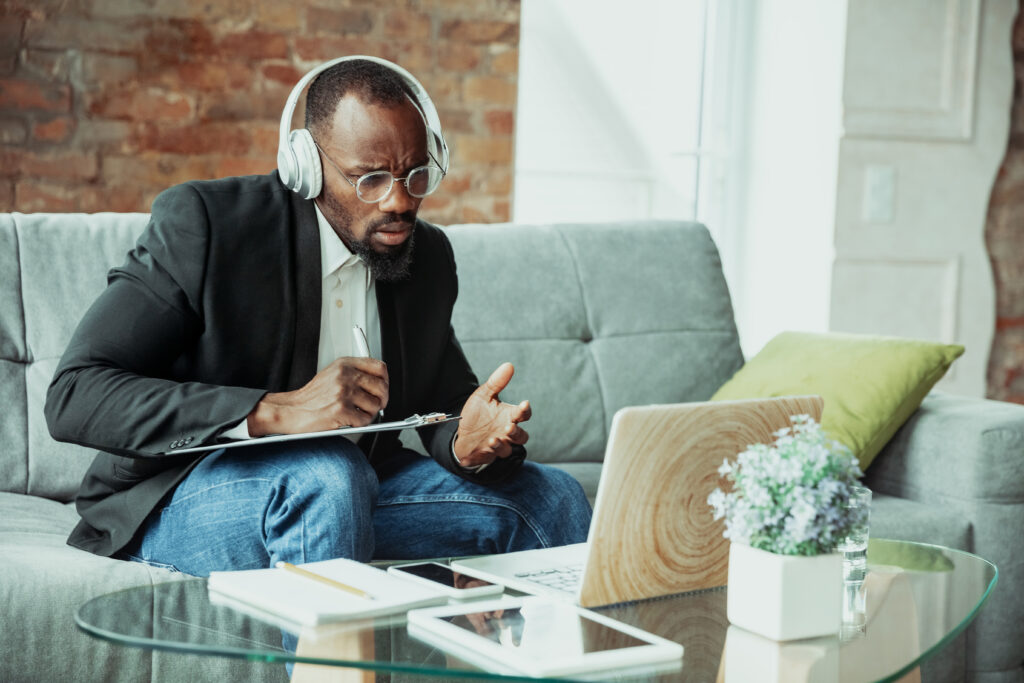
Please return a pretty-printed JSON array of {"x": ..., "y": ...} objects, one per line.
[
  {"x": 246, "y": 508},
  {"x": 425, "y": 511}
]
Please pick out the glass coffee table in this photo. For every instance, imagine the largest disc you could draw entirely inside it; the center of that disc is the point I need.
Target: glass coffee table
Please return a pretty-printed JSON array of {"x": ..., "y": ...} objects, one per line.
[{"x": 917, "y": 599}]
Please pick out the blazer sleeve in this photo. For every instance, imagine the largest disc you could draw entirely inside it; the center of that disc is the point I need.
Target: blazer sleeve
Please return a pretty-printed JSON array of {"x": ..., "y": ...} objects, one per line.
[{"x": 115, "y": 388}]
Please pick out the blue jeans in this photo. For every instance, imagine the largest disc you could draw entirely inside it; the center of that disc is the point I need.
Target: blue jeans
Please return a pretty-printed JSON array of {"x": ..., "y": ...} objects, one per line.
[{"x": 319, "y": 499}]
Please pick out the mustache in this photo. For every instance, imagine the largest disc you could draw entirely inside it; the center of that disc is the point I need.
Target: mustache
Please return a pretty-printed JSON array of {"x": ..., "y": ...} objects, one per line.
[{"x": 407, "y": 219}]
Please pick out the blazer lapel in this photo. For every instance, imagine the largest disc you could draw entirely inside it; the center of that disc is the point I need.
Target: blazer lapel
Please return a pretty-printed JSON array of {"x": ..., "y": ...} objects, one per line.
[{"x": 307, "y": 276}]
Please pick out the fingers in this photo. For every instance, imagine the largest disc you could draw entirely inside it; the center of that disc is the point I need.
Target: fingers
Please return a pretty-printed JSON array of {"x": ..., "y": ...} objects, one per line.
[
  {"x": 498, "y": 380},
  {"x": 522, "y": 412}
]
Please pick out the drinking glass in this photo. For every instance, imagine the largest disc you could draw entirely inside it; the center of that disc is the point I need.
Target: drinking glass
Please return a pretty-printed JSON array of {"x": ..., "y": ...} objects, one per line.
[{"x": 855, "y": 564}]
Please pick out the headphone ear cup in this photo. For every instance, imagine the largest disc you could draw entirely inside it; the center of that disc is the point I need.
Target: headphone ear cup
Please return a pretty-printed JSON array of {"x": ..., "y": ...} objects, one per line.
[{"x": 309, "y": 174}]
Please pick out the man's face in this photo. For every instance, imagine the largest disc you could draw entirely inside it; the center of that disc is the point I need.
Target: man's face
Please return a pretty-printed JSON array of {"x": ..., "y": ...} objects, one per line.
[{"x": 368, "y": 137}]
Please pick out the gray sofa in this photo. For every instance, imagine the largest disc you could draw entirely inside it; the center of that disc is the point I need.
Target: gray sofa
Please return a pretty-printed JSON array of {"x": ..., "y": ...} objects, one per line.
[{"x": 595, "y": 317}]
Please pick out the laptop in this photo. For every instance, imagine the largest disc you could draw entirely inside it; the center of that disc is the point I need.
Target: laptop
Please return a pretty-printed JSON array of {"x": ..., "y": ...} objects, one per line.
[{"x": 653, "y": 533}]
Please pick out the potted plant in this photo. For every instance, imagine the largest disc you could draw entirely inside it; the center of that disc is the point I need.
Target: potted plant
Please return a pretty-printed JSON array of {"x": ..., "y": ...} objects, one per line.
[{"x": 785, "y": 513}]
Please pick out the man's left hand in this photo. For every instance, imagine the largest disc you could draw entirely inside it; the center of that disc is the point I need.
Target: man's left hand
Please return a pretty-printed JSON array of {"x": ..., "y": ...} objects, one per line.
[{"x": 489, "y": 428}]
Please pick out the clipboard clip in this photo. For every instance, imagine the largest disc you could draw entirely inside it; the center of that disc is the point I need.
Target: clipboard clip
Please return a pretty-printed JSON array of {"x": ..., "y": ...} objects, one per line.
[{"x": 417, "y": 419}]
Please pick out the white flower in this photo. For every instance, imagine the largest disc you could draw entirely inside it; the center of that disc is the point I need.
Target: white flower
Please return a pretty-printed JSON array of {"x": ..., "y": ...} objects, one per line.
[{"x": 787, "y": 497}]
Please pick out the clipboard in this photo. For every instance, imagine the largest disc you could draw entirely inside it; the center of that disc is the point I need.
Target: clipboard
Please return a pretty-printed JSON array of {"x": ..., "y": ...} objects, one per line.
[{"x": 411, "y": 422}]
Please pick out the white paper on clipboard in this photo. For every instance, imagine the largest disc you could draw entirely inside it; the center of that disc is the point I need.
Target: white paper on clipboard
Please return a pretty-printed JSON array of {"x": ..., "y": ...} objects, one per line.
[{"x": 411, "y": 422}]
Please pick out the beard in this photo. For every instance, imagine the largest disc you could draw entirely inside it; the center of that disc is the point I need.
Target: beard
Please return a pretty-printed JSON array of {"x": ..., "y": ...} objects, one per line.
[{"x": 390, "y": 265}]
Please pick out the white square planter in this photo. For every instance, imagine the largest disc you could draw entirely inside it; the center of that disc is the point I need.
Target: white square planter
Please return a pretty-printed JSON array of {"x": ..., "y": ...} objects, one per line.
[{"x": 785, "y": 597}]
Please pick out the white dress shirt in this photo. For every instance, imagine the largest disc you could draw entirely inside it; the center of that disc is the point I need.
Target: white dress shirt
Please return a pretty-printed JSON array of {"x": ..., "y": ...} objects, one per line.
[{"x": 348, "y": 297}]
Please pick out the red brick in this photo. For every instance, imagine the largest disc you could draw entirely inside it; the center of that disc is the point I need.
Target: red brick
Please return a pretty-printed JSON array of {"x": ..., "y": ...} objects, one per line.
[
  {"x": 338, "y": 21},
  {"x": 456, "y": 120},
  {"x": 206, "y": 76},
  {"x": 69, "y": 32},
  {"x": 62, "y": 164},
  {"x": 54, "y": 130},
  {"x": 471, "y": 214},
  {"x": 48, "y": 65},
  {"x": 495, "y": 181},
  {"x": 265, "y": 105},
  {"x": 407, "y": 24},
  {"x": 321, "y": 49},
  {"x": 457, "y": 183},
  {"x": 482, "y": 31},
  {"x": 10, "y": 39},
  {"x": 115, "y": 136},
  {"x": 6, "y": 196},
  {"x": 149, "y": 104},
  {"x": 26, "y": 95},
  {"x": 416, "y": 58},
  {"x": 117, "y": 198},
  {"x": 200, "y": 138},
  {"x": 502, "y": 211},
  {"x": 234, "y": 166},
  {"x": 445, "y": 89},
  {"x": 278, "y": 16},
  {"x": 33, "y": 197},
  {"x": 13, "y": 131},
  {"x": 489, "y": 90},
  {"x": 265, "y": 139},
  {"x": 500, "y": 121},
  {"x": 505, "y": 62},
  {"x": 459, "y": 57},
  {"x": 282, "y": 73},
  {"x": 10, "y": 162},
  {"x": 479, "y": 149},
  {"x": 254, "y": 45},
  {"x": 103, "y": 69},
  {"x": 156, "y": 170}
]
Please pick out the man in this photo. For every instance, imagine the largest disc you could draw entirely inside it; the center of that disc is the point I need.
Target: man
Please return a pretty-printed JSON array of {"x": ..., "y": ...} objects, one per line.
[{"x": 232, "y": 317}]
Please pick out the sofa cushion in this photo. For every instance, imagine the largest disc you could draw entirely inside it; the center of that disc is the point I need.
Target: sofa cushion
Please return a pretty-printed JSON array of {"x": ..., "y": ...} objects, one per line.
[
  {"x": 43, "y": 582},
  {"x": 870, "y": 384},
  {"x": 594, "y": 317}
]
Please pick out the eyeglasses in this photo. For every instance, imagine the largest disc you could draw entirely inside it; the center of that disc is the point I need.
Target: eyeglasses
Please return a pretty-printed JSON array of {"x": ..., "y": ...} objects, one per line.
[{"x": 374, "y": 186}]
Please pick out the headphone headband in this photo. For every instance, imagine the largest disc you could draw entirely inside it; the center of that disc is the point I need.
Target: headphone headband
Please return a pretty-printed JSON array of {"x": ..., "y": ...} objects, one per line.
[{"x": 297, "y": 160}]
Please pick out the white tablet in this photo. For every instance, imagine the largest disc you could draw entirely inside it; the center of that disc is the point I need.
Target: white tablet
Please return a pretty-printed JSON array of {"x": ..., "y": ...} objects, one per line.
[{"x": 537, "y": 636}]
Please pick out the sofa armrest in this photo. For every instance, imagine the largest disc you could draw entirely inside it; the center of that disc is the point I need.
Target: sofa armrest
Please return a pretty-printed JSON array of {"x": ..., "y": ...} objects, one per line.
[
  {"x": 965, "y": 456},
  {"x": 955, "y": 448}
]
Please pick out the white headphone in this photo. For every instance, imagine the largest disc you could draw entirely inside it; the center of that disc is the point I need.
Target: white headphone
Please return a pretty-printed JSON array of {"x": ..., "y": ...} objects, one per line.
[{"x": 298, "y": 162}]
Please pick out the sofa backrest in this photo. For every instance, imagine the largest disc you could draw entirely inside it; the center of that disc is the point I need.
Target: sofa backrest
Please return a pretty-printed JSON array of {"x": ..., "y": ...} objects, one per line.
[
  {"x": 52, "y": 267},
  {"x": 594, "y": 316}
]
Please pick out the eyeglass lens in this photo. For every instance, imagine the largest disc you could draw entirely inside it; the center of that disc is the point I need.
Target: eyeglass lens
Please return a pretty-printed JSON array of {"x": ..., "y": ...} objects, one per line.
[{"x": 420, "y": 182}]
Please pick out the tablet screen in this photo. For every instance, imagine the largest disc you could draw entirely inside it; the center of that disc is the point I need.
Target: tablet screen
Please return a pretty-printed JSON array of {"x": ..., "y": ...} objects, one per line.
[{"x": 541, "y": 629}]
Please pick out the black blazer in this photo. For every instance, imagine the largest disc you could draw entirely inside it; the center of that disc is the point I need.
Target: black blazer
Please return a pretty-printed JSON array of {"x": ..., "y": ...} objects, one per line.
[{"x": 218, "y": 304}]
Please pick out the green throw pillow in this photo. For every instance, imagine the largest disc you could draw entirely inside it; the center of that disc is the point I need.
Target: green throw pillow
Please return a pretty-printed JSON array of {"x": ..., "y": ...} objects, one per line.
[{"x": 871, "y": 385}]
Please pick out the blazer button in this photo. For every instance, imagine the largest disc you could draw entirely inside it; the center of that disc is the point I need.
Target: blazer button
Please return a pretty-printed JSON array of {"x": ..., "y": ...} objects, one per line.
[
  {"x": 175, "y": 444},
  {"x": 188, "y": 440}
]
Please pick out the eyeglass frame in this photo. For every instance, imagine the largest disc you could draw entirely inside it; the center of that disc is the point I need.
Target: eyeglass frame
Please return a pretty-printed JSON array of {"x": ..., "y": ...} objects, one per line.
[{"x": 405, "y": 180}]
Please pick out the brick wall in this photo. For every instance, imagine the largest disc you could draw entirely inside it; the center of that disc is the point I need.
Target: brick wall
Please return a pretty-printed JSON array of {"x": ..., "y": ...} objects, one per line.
[
  {"x": 1004, "y": 236},
  {"x": 104, "y": 103}
]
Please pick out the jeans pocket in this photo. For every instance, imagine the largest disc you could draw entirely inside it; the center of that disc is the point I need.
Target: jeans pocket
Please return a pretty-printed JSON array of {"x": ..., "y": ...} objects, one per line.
[{"x": 152, "y": 563}]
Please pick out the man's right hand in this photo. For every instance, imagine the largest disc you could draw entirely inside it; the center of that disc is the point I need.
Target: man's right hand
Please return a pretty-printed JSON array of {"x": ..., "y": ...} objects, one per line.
[{"x": 347, "y": 393}]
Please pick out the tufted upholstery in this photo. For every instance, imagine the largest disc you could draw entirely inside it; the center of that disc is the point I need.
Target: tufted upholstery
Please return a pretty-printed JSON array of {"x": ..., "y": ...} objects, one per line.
[{"x": 595, "y": 317}]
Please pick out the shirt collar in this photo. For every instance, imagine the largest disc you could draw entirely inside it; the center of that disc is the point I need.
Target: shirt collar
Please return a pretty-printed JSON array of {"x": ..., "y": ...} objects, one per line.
[{"x": 334, "y": 255}]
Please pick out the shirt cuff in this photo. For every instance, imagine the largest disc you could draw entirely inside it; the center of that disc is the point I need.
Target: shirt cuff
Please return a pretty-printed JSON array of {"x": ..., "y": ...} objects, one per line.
[
  {"x": 240, "y": 432},
  {"x": 472, "y": 470}
]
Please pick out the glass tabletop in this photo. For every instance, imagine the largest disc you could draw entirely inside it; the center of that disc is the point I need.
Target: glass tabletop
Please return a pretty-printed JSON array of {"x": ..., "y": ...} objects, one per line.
[{"x": 917, "y": 599}]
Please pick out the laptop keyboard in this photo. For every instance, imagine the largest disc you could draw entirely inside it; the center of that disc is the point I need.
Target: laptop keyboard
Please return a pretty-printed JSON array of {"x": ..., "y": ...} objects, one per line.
[{"x": 566, "y": 578}]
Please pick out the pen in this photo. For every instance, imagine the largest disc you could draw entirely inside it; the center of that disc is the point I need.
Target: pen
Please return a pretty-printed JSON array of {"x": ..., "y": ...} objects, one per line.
[
  {"x": 289, "y": 567},
  {"x": 363, "y": 349}
]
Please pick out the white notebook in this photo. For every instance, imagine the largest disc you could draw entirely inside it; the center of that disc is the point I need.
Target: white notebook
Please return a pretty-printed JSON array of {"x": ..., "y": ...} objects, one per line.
[{"x": 306, "y": 601}]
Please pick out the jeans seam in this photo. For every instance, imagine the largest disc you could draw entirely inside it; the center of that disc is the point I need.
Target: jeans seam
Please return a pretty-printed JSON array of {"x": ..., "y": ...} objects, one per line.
[{"x": 475, "y": 500}]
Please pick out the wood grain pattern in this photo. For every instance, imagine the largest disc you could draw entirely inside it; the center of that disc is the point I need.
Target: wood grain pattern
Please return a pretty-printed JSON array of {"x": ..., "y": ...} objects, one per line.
[{"x": 658, "y": 535}]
